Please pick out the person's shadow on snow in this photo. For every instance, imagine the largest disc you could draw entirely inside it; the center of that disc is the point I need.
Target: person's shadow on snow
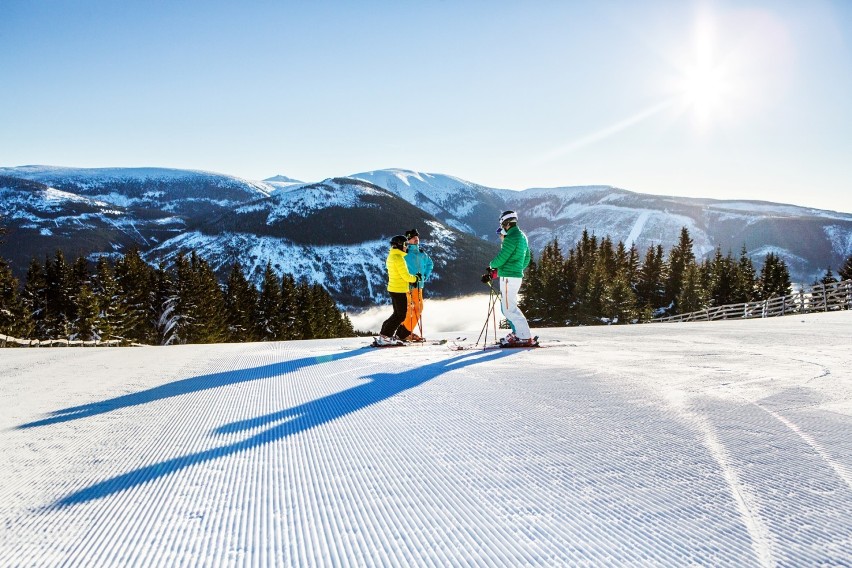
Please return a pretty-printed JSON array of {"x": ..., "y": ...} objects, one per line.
[
  {"x": 376, "y": 388},
  {"x": 186, "y": 386}
]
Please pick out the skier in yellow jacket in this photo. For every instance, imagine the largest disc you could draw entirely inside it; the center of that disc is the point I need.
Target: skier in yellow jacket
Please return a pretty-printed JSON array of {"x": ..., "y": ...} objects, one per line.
[{"x": 393, "y": 332}]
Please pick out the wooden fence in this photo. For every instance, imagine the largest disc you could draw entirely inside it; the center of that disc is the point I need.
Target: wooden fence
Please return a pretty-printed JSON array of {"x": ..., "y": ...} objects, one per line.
[
  {"x": 820, "y": 298},
  {"x": 9, "y": 341}
]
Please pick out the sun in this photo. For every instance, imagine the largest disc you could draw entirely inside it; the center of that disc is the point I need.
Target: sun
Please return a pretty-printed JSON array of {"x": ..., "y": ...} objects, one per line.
[
  {"x": 704, "y": 80},
  {"x": 705, "y": 88}
]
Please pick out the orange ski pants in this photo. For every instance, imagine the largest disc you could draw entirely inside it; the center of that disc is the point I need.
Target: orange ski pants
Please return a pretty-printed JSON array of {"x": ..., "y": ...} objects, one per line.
[{"x": 415, "y": 308}]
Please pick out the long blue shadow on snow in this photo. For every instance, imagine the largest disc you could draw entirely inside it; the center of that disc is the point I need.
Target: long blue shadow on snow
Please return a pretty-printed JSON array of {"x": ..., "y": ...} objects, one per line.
[
  {"x": 300, "y": 418},
  {"x": 186, "y": 386}
]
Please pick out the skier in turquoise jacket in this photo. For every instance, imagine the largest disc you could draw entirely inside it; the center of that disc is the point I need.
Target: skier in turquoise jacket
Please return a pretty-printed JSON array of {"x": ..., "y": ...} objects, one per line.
[{"x": 418, "y": 262}]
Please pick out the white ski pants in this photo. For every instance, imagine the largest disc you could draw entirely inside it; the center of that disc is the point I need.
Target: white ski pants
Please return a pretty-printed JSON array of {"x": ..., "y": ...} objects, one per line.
[{"x": 509, "y": 291}]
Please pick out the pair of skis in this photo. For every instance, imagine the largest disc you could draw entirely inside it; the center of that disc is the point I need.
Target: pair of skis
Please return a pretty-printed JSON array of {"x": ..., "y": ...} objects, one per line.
[
  {"x": 457, "y": 344},
  {"x": 531, "y": 345},
  {"x": 413, "y": 343}
]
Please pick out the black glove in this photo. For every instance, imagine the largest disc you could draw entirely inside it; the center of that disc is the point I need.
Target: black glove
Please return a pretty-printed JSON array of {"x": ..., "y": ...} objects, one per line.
[
  {"x": 489, "y": 275},
  {"x": 419, "y": 278}
]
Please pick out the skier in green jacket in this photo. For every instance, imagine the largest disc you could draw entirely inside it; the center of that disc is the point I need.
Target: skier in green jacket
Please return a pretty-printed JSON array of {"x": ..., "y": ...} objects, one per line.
[{"x": 510, "y": 262}]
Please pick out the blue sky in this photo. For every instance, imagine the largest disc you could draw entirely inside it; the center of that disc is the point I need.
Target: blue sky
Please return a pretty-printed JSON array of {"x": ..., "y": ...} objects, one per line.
[{"x": 747, "y": 99}]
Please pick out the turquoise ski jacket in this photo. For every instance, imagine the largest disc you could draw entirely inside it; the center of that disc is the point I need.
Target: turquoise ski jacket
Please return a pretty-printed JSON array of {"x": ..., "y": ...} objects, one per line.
[{"x": 418, "y": 261}]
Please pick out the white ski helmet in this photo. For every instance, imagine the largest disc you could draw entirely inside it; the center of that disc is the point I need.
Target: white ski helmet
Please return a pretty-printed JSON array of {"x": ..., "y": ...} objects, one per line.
[{"x": 508, "y": 216}]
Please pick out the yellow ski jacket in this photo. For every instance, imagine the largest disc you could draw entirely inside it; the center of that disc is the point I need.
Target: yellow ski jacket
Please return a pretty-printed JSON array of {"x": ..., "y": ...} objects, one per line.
[{"x": 398, "y": 276}]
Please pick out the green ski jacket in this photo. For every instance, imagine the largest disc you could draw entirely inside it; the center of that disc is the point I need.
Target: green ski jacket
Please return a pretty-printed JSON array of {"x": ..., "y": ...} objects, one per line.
[{"x": 514, "y": 255}]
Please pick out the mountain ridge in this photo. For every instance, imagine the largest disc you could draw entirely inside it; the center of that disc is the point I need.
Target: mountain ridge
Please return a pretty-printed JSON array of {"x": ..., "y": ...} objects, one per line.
[{"x": 92, "y": 211}]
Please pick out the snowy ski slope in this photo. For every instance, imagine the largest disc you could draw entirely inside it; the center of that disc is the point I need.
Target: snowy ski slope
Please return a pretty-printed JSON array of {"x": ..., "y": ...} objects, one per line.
[{"x": 711, "y": 444}]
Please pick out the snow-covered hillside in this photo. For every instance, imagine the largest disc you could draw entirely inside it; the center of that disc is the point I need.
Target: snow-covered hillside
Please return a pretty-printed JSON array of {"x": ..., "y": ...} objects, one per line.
[
  {"x": 92, "y": 181},
  {"x": 704, "y": 444},
  {"x": 809, "y": 240},
  {"x": 459, "y": 203},
  {"x": 106, "y": 211}
]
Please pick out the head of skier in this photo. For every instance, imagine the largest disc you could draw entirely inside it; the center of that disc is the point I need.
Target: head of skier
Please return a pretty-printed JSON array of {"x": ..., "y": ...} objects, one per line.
[
  {"x": 508, "y": 220},
  {"x": 399, "y": 242},
  {"x": 413, "y": 237}
]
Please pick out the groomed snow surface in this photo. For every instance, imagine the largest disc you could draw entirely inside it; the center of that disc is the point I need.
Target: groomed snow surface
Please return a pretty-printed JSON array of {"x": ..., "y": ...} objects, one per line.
[{"x": 710, "y": 444}]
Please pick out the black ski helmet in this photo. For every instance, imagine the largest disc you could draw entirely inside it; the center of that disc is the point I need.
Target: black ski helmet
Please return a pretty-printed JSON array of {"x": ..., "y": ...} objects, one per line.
[
  {"x": 508, "y": 216},
  {"x": 398, "y": 241},
  {"x": 411, "y": 234}
]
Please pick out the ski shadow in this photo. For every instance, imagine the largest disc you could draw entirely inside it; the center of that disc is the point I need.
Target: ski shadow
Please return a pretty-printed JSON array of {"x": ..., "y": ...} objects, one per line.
[
  {"x": 286, "y": 423},
  {"x": 186, "y": 386}
]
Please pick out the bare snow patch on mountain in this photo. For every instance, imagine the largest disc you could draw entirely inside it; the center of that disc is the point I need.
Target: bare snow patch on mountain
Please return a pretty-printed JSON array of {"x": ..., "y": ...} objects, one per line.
[
  {"x": 318, "y": 196},
  {"x": 753, "y": 207},
  {"x": 637, "y": 228},
  {"x": 431, "y": 192},
  {"x": 52, "y": 194},
  {"x": 841, "y": 240}
]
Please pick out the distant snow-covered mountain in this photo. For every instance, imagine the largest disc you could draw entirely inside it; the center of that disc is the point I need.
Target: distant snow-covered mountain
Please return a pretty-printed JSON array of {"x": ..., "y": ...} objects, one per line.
[
  {"x": 335, "y": 232},
  {"x": 809, "y": 240}
]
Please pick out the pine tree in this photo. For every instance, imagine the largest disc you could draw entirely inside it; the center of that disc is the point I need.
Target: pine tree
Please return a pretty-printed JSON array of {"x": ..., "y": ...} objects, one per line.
[
  {"x": 326, "y": 317},
  {"x": 79, "y": 276},
  {"x": 746, "y": 279},
  {"x": 828, "y": 278},
  {"x": 723, "y": 279},
  {"x": 200, "y": 304},
  {"x": 554, "y": 287},
  {"x": 13, "y": 320},
  {"x": 268, "y": 323},
  {"x": 165, "y": 305},
  {"x": 295, "y": 311},
  {"x": 591, "y": 302},
  {"x": 619, "y": 302},
  {"x": 681, "y": 257},
  {"x": 84, "y": 326},
  {"x": 34, "y": 298},
  {"x": 240, "y": 306},
  {"x": 531, "y": 302},
  {"x": 135, "y": 281},
  {"x": 774, "y": 278},
  {"x": 693, "y": 295},
  {"x": 589, "y": 282},
  {"x": 212, "y": 302},
  {"x": 58, "y": 297},
  {"x": 650, "y": 290},
  {"x": 845, "y": 273},
  {"x": 633, "y": 267},
  {"x": 345, "y": 327},
  {"x": 110, "y": 321}
]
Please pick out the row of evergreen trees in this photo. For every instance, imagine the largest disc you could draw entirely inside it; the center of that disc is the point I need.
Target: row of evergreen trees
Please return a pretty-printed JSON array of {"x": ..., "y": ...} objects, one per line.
[
  {"x": 132, "y": 301},
  {"x": 598, "y": 282}
]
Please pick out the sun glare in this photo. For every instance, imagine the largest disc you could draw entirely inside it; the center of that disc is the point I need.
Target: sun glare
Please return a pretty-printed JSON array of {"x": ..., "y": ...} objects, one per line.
[
  {"x": 704, "y": 82},
  {"x": 705, "y": 89}
]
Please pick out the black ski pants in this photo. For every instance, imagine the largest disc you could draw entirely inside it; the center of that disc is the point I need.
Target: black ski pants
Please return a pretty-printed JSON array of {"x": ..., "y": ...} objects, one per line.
[{"x": 392, "y": 325}]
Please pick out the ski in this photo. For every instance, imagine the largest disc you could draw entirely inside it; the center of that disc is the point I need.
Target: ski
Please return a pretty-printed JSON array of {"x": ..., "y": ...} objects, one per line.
[
  {"x": 396, "y": 343},
  {"x": 532, "y": 344},
  {"x": 459, "y": 347}
]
